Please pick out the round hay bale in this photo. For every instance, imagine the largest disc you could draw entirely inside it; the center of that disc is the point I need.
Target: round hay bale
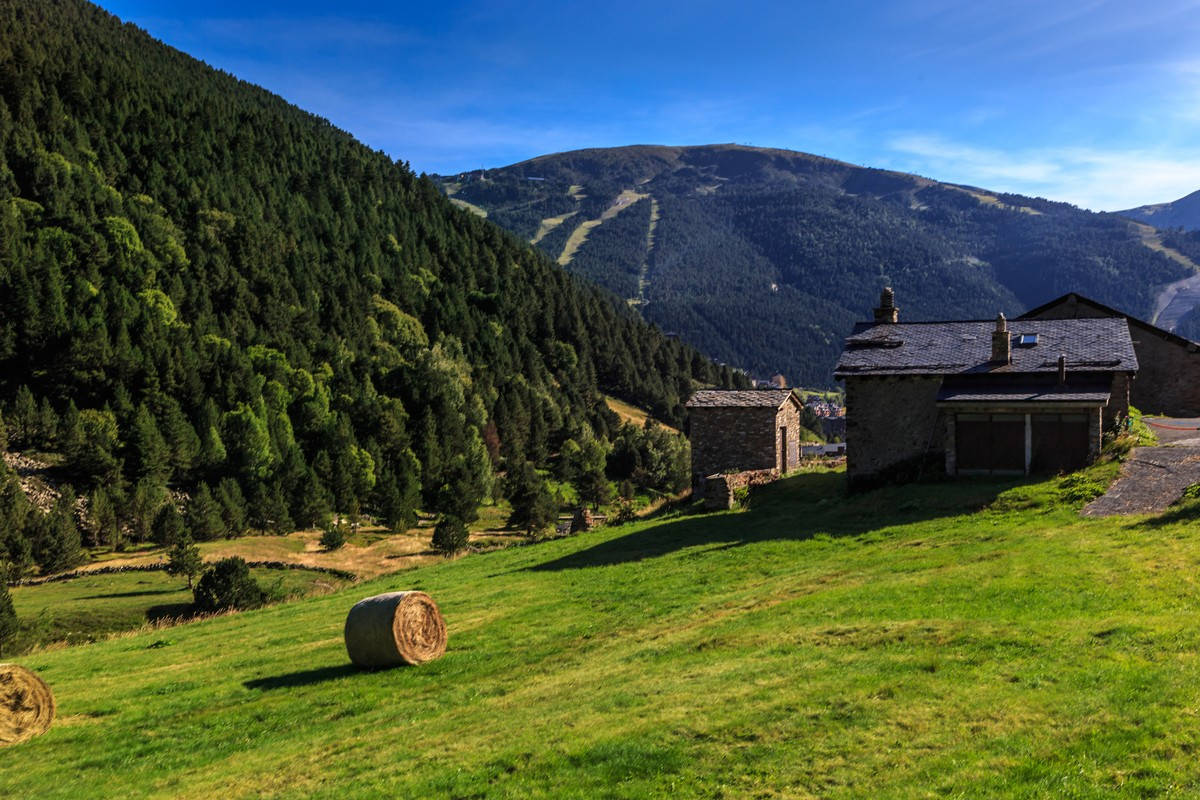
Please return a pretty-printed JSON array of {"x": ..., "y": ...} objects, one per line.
[
  {"x": 26, "y": 705},
  {"x": 396, "y": 628}
]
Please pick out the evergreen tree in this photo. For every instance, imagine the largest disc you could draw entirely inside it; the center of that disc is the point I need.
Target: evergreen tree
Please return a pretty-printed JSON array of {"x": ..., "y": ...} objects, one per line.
[
  {"x": 151, "y": 458},
  {"x": 204, "y": 521},
  {"x": 533, "y": 506},
  {"x": 56, "y": 543},
  {"x": 450, "y": 536},
  {"x": 9, "y": 624},
  {"x": 104, "y": 526},
  {"x": 227, "y": 584},
  {"x": 24, "y": 418},
  {"x": 142, "y": 507},
  {"x": 183, "y": 558},
  {"x": 233, "y": 506},
  {"x": 169, "y": 526}
]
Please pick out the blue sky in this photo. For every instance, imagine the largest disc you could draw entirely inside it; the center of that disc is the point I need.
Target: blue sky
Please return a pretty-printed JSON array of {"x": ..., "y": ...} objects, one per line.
[{"x": 1096, "y": 103}]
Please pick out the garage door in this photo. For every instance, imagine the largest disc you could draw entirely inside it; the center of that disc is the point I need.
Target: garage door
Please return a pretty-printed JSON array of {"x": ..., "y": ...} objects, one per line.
[
  {"x": 1060, "y": 442},
  {"x": 990, "y": 442}
]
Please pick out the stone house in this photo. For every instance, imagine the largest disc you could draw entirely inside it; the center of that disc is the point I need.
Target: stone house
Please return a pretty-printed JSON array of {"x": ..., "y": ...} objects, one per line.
[
  {"x": 1168, "y": 364},
  {"x": 741, "y": 430},
  {"x": 979, "y": 396}
]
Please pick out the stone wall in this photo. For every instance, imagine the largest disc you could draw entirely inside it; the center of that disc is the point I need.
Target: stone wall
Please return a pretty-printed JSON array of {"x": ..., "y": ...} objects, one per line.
[
  {"x": 890, "y": 420},
  {"x": 719, "y": 490},
  {"x": 1168, "y": 378},
  {"x": 789, "y": 418},
  {"x": 732, "y": 439}
]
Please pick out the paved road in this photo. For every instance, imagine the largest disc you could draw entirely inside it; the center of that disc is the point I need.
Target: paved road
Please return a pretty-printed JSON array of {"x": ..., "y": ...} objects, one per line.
[{"x": 1152, "y": 478}]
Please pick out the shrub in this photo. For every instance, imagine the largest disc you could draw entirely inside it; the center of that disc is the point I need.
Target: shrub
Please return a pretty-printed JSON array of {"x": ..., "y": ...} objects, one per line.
[
  {"x": 450, "y": 535},
  {"x": 625, "y": 513},
  {"x": 333, "y": 537},
  {"x": 227, "y": 584}
]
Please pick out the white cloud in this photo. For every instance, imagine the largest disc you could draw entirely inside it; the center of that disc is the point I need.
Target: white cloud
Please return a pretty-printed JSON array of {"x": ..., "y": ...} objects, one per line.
[{"x": 1102, "y": 180}]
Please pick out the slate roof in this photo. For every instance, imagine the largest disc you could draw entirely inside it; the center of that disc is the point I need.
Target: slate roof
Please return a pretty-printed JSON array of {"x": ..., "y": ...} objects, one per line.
[
  {"x": 950, "y": 348},
  {"x": 1076, "y": 297},
  {"x": 977, "y": 389},
  {"x": 739, "y": 398}
]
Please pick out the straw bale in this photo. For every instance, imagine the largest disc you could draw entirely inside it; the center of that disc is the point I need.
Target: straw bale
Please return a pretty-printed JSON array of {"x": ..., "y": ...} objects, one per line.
[
  {"x": 26, "y": 705},
  {"x": 396, "y": 628}
]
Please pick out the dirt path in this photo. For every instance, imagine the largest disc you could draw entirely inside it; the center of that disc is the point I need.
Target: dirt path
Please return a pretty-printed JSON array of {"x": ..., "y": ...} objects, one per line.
[{"x": 1153, "y": 478}]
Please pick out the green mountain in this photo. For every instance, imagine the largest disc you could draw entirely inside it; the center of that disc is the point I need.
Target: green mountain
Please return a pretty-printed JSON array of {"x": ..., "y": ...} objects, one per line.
[
  {"x": 765, "y": 258},
  {"x": 203, "y": 286},
  {"x": 1182, "y": 213}
]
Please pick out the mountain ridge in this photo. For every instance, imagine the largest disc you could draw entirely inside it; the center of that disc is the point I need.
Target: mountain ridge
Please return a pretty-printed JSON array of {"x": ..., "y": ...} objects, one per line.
[
  {"x": 764, "y": 258},
  {"x": 1182, "y": 213}
]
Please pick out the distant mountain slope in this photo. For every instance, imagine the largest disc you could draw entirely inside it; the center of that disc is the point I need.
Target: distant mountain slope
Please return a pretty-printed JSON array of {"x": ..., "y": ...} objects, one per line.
[
  {"x": 765, "y": 258},
  {"x": 1182, "y": 213}
]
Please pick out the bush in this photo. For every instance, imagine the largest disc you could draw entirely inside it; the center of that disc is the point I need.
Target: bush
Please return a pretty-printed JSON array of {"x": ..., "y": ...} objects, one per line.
[
  {"x": 227, "y": 584},
  {"x": 450, "y": 535},
  {"x": 333, "y": 537}
]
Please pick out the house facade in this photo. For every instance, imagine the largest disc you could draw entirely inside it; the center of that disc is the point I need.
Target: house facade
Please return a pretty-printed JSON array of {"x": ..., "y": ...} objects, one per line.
[
  {"x": 1168, "y": 364},
  {"x": 740, "y": 430},
  {"x": 980, "y": 396}
]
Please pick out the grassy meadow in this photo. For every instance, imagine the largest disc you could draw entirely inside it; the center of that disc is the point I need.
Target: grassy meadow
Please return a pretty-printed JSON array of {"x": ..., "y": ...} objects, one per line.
[
  {"x": 86, "y": 608},
  {"x": 969, "y": 639}
]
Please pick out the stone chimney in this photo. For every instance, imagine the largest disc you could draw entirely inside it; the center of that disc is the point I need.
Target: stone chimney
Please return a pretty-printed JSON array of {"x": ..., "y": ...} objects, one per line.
[
  {"x": 1001, "y": 342},
  {"x": 887, "y": 311},
  {"x": 1062, "y": 369}
]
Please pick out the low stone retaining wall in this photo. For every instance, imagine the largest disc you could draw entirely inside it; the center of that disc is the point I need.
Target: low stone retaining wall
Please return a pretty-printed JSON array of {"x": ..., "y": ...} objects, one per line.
[
  {"x": 719, "y": 491},
  {"x": 162, "y": 565}
]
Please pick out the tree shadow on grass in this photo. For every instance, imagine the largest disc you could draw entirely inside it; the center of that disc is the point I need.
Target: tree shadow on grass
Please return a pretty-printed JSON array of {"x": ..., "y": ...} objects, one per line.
[
  {"x": 303, "y": 678},
  {"x": 170, "y": 611},
  {"x": 143, "y": 593},
  {"x": 799, "y": 507}
]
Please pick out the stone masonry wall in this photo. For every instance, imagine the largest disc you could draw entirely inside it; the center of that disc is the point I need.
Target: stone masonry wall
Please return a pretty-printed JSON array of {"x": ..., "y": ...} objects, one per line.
[
  {"x": 789, "y": 418},
  {"x": 890, "y": 419},
  {"x": 1168, "y": 378},
  {"x": 718, "y": 490},
  {"x": 732, "y": 439}
]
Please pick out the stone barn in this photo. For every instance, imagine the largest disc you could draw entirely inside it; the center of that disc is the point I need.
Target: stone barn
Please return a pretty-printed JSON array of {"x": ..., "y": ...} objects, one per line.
[
  {"x": 1168, "y": 365},
  {"x": 980, "y": 396},
  {"x": 754, "y": 429}
]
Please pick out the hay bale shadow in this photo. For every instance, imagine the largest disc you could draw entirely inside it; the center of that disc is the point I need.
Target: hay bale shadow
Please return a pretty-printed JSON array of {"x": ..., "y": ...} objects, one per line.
[{"x": 306, "y": 677}]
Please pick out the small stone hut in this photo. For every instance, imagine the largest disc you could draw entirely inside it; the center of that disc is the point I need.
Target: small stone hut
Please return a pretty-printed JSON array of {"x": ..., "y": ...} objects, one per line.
[
  {"x": 1168, "y": 364},
  {"x": 980, "y": 396},
  {"x": 740, "y": 430}
]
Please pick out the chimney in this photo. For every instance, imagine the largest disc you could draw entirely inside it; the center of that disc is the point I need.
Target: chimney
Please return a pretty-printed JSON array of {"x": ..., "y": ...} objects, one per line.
[
  {"x": 887, "y": 311},
  {"x": 1062, "y": 369},
  {"x": 1001, "y": 342}
]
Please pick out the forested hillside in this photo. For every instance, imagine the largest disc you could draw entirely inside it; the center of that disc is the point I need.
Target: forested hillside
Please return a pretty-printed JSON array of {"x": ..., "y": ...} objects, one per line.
[
  {"x": 205, "y": 288},
  {"x": 765, "y": 258}
]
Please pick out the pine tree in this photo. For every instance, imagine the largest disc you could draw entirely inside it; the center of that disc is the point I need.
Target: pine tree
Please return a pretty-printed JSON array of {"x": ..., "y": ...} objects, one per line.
[
  {"x": 204, "y": 520},
  {"x": 57, "y": 545},
  {"x": 183, "y": 558},
  {"x": 169, "y": 526},
  {"x": 450, "y": 536},
  {"x": 533, "y": 506},
  {"x": 151, "y": 458},
  {"x": 24, "y": 418},
  {"x": 233, "y": 506},
  {"x": 9, "y": 624}
]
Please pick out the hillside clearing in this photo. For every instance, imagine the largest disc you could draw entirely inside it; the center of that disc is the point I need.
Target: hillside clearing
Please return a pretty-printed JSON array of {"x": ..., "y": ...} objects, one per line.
[
  {"x": 798, "y": 649},
  {"x": 578, "y": 236},
  {"x": 631, "y": 413}
]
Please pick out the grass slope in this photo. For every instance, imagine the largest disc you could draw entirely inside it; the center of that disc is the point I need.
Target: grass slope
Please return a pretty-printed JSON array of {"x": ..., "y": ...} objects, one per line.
[
  {"x": 86, "y": 608},
  {"x": 803, "y": 648}
]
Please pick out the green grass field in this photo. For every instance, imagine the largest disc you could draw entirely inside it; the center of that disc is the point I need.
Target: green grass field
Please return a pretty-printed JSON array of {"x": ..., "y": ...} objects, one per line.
[
  {"x": 87, "y": 608},
  {"x": 972, "y": 639}
]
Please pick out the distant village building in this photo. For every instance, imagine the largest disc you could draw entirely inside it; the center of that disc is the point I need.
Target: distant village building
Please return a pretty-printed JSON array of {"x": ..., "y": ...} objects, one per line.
[
  {"x": 973, "y": 397},
  {"x": 740, "y": 430},
  {"x": 823, "y": 450},
  {"x": 1168, "y": 379}
]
